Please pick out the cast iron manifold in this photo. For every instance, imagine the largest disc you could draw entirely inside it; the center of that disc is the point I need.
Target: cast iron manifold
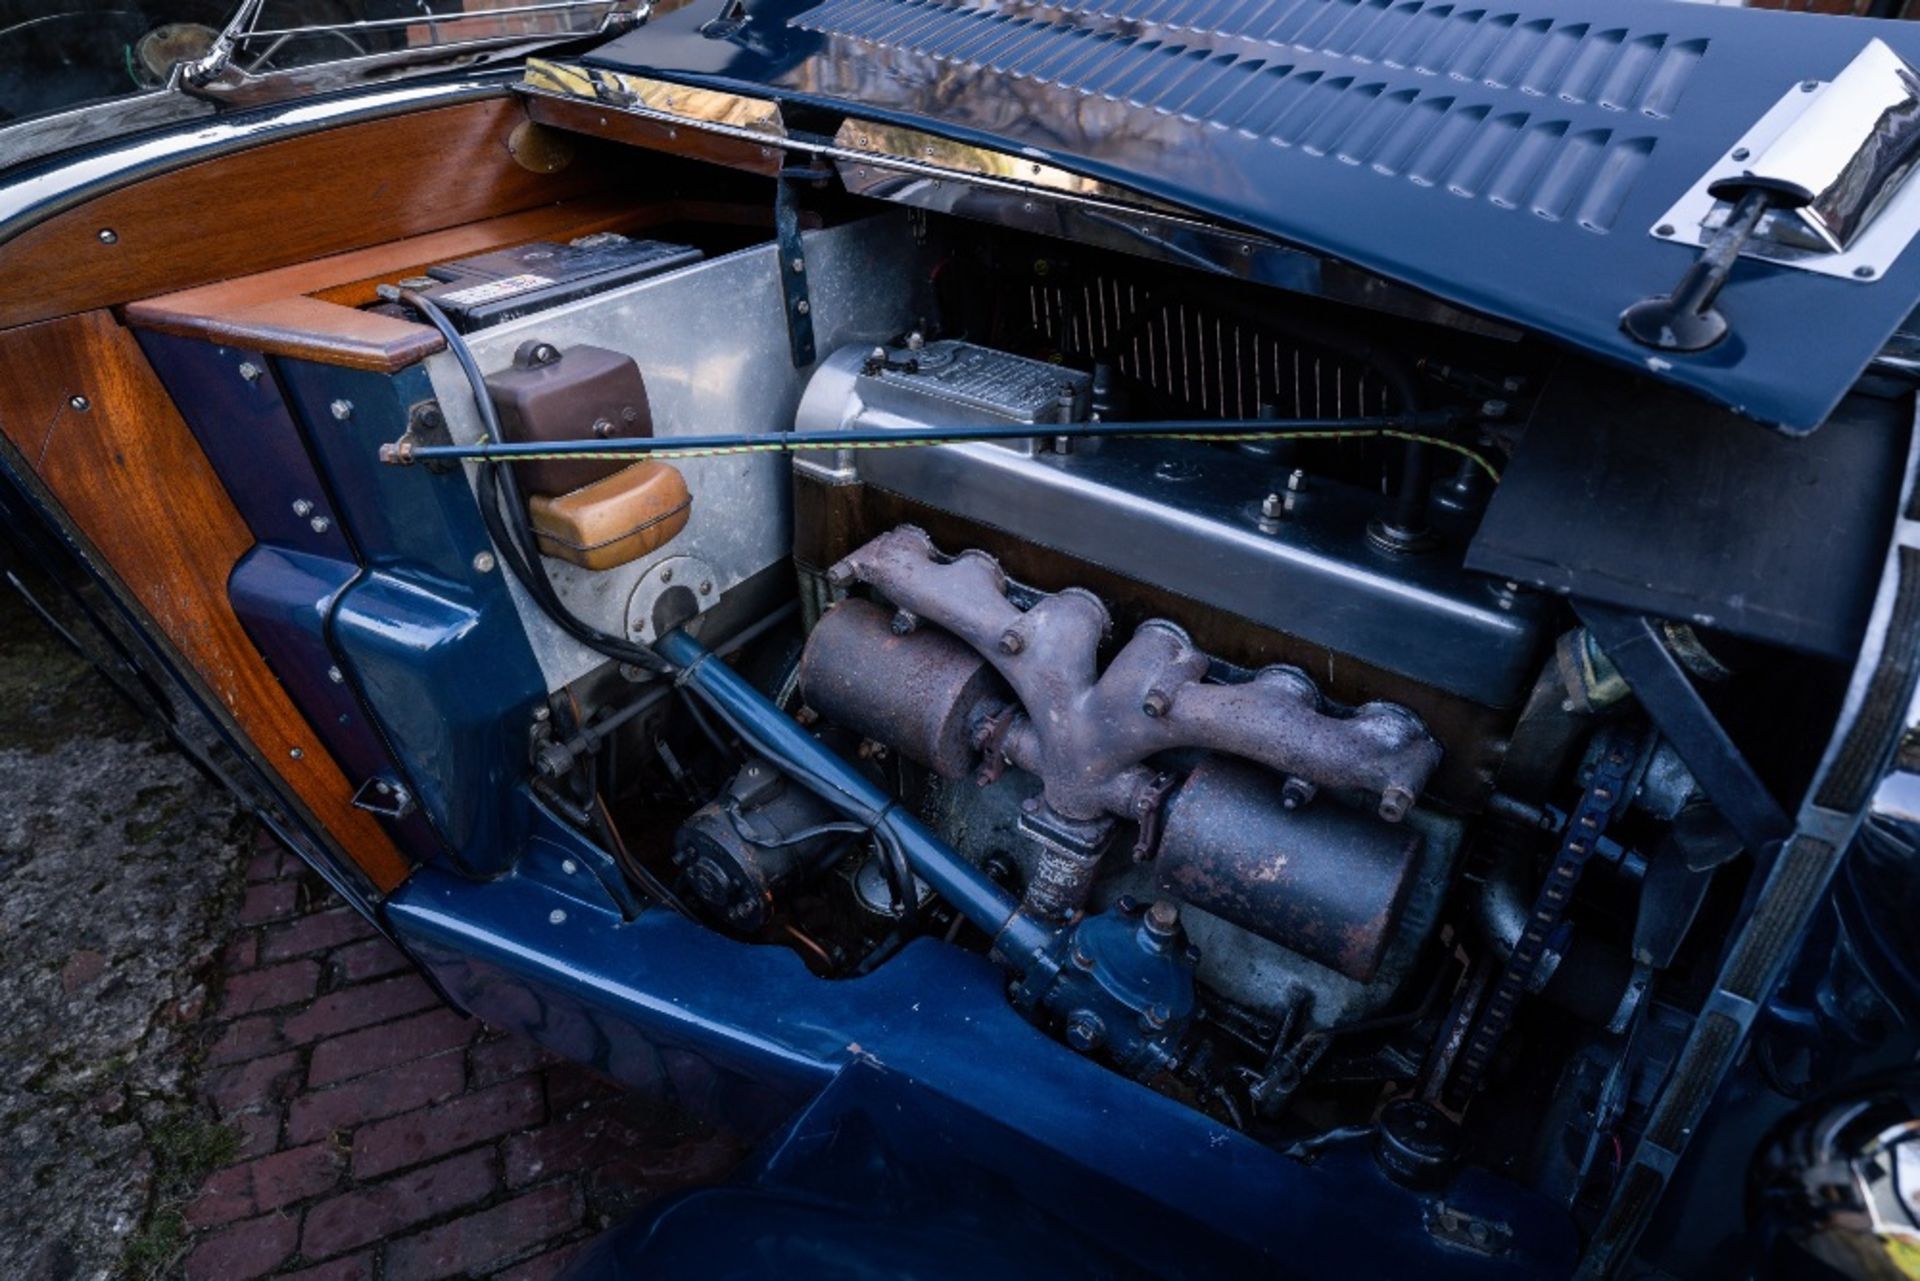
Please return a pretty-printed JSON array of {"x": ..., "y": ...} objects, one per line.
[{"x": 1047, "y": 708}]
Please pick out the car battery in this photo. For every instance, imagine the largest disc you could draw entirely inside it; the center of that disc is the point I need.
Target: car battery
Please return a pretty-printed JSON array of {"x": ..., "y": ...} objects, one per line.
[{"x": 489, "y": 289}]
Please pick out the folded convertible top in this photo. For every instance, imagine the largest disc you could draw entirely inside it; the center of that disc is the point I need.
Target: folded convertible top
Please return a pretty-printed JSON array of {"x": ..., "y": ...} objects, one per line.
[{"x": 1511, "y": 159}]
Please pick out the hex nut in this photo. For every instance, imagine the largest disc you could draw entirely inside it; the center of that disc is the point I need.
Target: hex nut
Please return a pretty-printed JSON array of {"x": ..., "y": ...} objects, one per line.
[{"x": 1085, "y": 1031}]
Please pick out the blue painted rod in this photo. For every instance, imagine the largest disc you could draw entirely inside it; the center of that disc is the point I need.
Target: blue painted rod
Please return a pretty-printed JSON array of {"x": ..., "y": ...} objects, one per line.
[{"x": 1019, "y": 940}]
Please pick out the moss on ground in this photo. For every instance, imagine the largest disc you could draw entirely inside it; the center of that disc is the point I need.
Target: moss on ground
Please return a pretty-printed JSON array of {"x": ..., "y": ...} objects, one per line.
[{"x": 186, "y": 1149}]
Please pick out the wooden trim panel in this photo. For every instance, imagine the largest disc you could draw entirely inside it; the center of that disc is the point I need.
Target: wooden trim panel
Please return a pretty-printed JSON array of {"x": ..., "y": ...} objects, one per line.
[
  {"x": 281, "y": 203},
  {"x": 134, "y": 481},
  {"x": 310, "y": 310}
]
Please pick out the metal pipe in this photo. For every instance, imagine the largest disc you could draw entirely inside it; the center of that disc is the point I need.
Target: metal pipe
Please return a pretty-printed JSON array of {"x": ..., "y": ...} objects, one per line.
[
  {"x": 405, "y": 452},
  {"x": 1019, "y": 941}
]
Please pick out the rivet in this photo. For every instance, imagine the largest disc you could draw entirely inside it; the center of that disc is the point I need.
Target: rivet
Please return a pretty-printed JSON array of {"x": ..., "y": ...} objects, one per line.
[
  {"x": 301, "y": 507},
  {"x": 108, "y": 236},
  {"x": 483, "y": 563},
  {"x": 79, "y": 404},
  {"x": 249, "y": 371},
  {"x": 1864, "y": 272},
  {"x": 1664, "y": 229},
  {"x": 296, "y": 753},
  {"x": 666, "y": 575},
  {"x": 568, "y": 866},
  {"x": 803, "y": 306},
  {"x": 1741, "y": 153},
  {"x": 558, "y": 916},
  {"x": 320, "y": 524},
  {"x": 1808, "y": 86},
  {"x": 706, "y": 589},
  {"x": 341, "y": 409},
  {"x": 337, "y": 676},
  {"x": 799, "y": 265}
]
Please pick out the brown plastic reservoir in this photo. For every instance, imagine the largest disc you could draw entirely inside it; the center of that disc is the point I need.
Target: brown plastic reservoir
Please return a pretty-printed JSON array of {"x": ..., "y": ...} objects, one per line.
[
  {"x": 581, "y": 393},
  {"x": 616, "y": 519}
]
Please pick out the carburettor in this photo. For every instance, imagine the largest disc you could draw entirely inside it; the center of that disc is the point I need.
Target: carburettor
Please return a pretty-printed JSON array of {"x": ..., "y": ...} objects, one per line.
[{"x": 959, "y": 678}]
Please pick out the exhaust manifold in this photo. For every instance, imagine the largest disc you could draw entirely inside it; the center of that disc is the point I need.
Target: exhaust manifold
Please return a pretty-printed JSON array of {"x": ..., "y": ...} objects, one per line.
[{"x": 1085, "y": 733}]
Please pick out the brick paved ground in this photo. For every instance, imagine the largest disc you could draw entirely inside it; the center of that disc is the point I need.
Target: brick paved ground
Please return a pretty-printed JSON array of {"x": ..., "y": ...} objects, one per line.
[{"x": 383, "y": 1136}]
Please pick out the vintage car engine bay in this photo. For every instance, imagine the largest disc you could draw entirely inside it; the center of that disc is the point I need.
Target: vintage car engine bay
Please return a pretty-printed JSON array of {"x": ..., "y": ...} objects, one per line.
[
  {"x": 812, "y": 598},
  {"x": 1217, "y": 743}
]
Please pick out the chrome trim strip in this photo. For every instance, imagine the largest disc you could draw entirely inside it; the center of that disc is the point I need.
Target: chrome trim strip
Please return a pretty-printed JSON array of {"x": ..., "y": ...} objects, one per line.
[
  {"x": 95, "y": 122},
  {"x": 663, "y": 99},
  {"x": 1097, "y": 211}
]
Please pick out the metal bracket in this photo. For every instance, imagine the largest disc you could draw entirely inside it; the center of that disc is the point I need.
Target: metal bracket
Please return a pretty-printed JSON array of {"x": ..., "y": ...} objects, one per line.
[
  {"x": 384, "y": 796},
  {"x": 671, "y": 592},
  {"x": 426, "y": 425},
  {"x": 1450, "y": 1225},
  {"x": 1817, "y": 126},
  {"x": 1634, "y": 647},
  {"x": 793, "y": 263}
]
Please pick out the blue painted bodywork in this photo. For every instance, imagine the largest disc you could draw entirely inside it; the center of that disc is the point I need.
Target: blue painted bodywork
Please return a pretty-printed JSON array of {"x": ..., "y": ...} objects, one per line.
[
  {"x": 286, "y": 590},
  {"x": 370, "y": 573},
  {"x": 918, "y": 1082},
  {"x": 880, "y": 1177},
  {"x": 285, "y": 600},
  {"x": 1510, "y": 159},
  {"x": 431, "y": 641}
]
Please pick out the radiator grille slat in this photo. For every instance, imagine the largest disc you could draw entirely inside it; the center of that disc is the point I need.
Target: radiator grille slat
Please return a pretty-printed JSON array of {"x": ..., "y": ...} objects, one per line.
[{"x": 1198, "y": 359}]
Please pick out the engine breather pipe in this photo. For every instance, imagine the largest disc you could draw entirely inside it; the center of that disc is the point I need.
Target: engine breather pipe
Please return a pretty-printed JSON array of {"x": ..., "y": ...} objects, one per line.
[{"x": 1019, "y": 941}]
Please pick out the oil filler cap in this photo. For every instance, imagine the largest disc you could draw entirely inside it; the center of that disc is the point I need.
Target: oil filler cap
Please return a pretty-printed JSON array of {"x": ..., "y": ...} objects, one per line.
[{"x": 1416, "y": 1145}]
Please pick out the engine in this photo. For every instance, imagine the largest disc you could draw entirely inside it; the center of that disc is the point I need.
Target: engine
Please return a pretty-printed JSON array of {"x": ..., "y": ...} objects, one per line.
[
  {"x": 1251, "y": 845},
  {"x": 1009, "y": 626}
]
